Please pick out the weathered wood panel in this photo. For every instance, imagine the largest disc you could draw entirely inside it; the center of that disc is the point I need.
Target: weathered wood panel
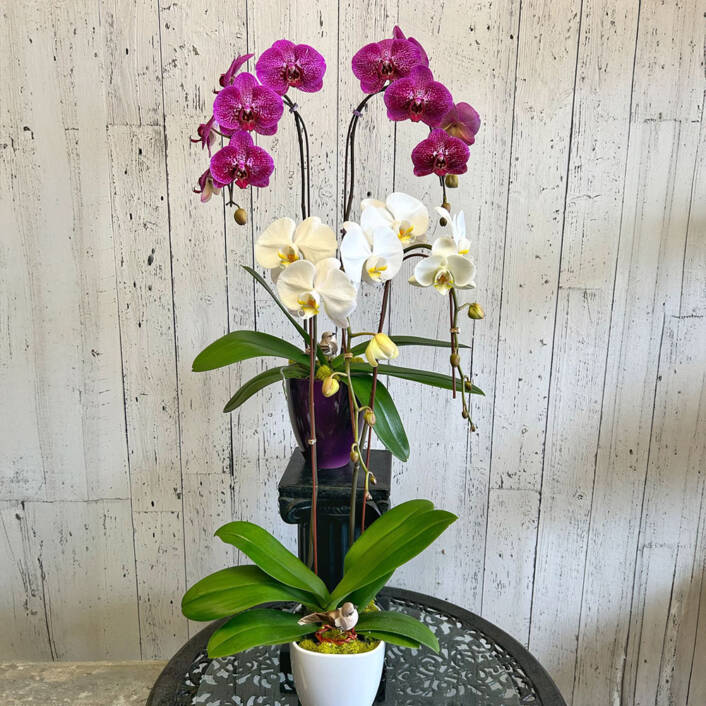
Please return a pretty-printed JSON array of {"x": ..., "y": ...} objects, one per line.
[{"x": 601, "y": 118}]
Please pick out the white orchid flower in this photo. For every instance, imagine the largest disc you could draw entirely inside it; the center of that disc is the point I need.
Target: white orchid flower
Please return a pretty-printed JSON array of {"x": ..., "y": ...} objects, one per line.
[
  {"x": 458, "y": 229},
  {"x": 445, "y": 269},
  {"x": 375, "y": 258},
  {"x": 284, "y": 242},
  {"x": 406, "y": 216},
  {"x": 304, "y": 287}
]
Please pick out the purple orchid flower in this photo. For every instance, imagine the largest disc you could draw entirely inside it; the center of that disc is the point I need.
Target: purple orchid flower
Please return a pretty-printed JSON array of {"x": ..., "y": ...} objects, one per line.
[
  {"x": 226, "y": 79},
  {"x": 418, "y": 97},
  {"x": 377, "y": 63},
  {"x": 208, "y": 186},
  {"x": 441, "y": 154},
  {"x": 397, "y": 33},
  {"x": 462, "y": 121},
  {"x": 287, "y": 64},
  {"x": 242, "y": 162},
  {"x": 206, "y": 134},
  {"x": 246, "y": 105}
]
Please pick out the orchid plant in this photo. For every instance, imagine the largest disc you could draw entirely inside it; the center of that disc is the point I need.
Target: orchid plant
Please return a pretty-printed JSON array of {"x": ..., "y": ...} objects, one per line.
[{"x": 314, "y": 273}]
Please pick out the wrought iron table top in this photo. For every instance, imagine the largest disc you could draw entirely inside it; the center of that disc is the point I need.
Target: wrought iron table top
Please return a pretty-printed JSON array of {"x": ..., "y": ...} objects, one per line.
[{"x": 478, "y": 664}]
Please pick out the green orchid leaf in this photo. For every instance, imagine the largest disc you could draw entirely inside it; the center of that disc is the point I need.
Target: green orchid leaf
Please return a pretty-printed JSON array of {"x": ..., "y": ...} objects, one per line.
[
  {"x": 258, "y": 278},
  {"x": 394, "y": 548},
  {"x": 387, "y": 524},
  {"x": 362, "y": 596},
  {"x": 359, "y": 349},
  {"x": 268, "y": 377},
  {"x": 425, "y": 377},
  {"x": 256, "y": 628},
  {"x": 274, "y": 558},
  {"x": 388, "y": 425},
  {"x": 241, "y": 345},
  {"x": 394, "y": 623},
  {"x": 234, "y": 590},
  {"x": 392, "y": 639}
]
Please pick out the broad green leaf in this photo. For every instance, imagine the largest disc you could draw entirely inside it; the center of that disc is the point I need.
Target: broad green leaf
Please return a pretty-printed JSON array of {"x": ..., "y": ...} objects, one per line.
[
  {"x": 386, "y": 524},
  {"x": 258, "y": 277},
  {"x": 392, "y": 639},
  {"x": 388, "y": 426},
  {"x": 255, "y": 628},
  {"x": 234, "y": 590},
  {"x": 410, "y": 538},
  {"x": 359, "y": 349},
  {"x": 263, "y": 380},
  {"x": 274, "y": 558},
  {"x": 400, "y": 624},
  {"x": 425, "y": 377},
  {"x": 362, "y": 596},
  {"x": 241, "y": 345}
]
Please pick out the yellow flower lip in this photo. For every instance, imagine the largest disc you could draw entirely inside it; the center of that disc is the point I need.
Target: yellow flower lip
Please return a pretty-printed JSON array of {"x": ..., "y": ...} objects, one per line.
[
  {"x": 405, "y": 234},
  {"x": 443, "y": 280},
  {"x": 288, "y": 256},
  {"x": 375, "y": 272},
  {"x": 308, "y": 304}
]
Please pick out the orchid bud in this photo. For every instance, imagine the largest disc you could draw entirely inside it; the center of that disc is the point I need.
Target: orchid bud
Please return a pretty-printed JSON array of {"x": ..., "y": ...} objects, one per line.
[
  {"x": 452, "y": 181},
  {"x": 330, "y": 386},
  {"x": 475, "y": 311},
  {"x": 355, "y": 456},
  {"x": 455, "y": 360},
  {"x": 381, "y": 347},
  {"x": 240, "y": 216},
  {"x": 369, "y": 417},
  {"x": 464, "y": 414}
]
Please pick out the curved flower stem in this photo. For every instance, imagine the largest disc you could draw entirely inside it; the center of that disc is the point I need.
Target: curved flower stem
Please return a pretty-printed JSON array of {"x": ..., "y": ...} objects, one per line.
[
  {"x": 349, "y": 178},
  {"x": 304, "y": 161},
  {"x": 312, "y": 445},
  {"x": 371, "y": 404},
  {"x": 442, "y": 181},
  {"x": 353, "y": 405},
  {"x": 454, "y": 337}
]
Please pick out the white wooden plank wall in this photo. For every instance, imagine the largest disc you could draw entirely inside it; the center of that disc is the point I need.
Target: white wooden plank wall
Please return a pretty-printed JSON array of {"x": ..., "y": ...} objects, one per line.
[{"x": 582, "y": 527}]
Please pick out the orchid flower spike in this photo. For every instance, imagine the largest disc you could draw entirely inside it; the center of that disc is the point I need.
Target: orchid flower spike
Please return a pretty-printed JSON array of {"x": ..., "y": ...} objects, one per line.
[
  {"x": 458, "y": 229},
  {"x": 283, "y": 243},
  {"x": 445, "y": 269},
  {"x": 304, "y": 287},
  {"x": 406, "y": 216},
  {"x": 375, "y": 258}
]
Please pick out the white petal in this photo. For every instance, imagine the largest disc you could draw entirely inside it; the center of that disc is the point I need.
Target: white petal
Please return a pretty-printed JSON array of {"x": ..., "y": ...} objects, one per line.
[
  {"x": 463, "y": 245},
  {"x": 295, "y": 280},
  {"x": 315, "y": 239},
  {"x": 443, "y": 213},
  {"x": 444, "y": 247},
  {"x": 371, "y": 202},
  {"x": 387, "y": 245},
  {"x": 459, "y": 223},
  {"x": 462, "y": 269},
  {"x": 276, "y": 237},
  {"x": 337, "y": 292},
  {"x": 373, "y": 217},
  {"x": 426, "y": 268},
  {"x": 355, "y": 250},
  {"x": 406, "y": 208},
  {"x": 413, "y": 280}
]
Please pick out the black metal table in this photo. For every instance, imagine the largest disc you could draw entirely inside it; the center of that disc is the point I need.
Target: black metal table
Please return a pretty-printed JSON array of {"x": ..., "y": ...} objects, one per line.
[{"x": 478, "y": 665}]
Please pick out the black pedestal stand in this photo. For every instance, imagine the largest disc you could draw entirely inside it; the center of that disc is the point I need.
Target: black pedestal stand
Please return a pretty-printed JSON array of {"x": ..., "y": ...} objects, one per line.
[{"x": 333, "y": 506}]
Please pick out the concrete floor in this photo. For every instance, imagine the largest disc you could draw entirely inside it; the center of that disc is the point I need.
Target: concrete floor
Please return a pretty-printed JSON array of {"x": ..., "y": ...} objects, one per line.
[{"x": 84, "y": 683}]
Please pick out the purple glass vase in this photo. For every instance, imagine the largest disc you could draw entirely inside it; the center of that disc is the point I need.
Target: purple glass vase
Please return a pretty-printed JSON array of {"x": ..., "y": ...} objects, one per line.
[{"x": 334, "y": 432}]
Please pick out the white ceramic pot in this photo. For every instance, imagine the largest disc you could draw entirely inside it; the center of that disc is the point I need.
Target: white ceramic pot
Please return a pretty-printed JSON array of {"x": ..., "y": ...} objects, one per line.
[{"x": 336, "y": 680}]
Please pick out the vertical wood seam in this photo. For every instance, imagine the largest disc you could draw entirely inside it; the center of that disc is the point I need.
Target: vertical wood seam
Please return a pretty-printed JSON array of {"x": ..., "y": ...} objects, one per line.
[
  {"x": 171, "y": 282},
  {"x": 608, "y": 347},
  {"x": 691, "y": 201},
  {"x": 500, "y": 301},
  {"x": 642, "y": 510},
  {"x": 554, "y": 332},
  {"x": 127, "y": 433}
]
